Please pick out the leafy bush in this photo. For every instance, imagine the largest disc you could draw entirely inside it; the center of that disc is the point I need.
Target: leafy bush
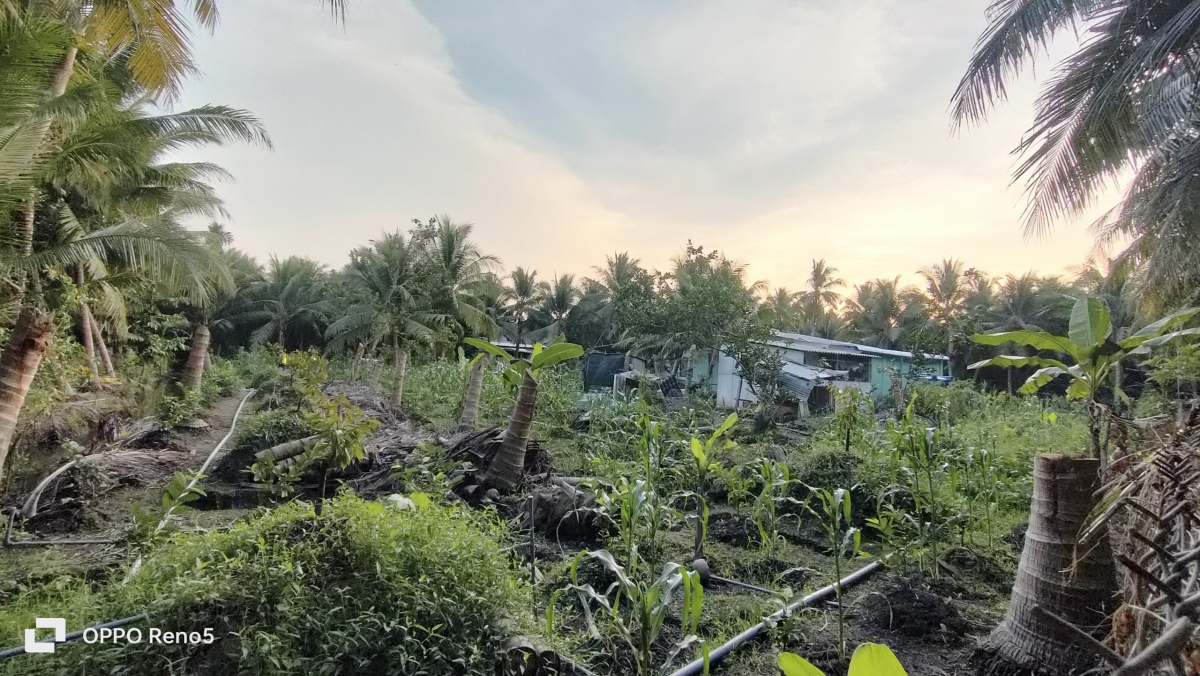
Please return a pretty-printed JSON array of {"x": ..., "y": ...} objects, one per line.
[
  {"x": 362, "y": 589},
  {"x": 258, "y": 367},
  {"x": 946, "y": 404},
  {"x": 174, "y": 410},
  {"x": 222, "y": 380},
  {"x": 269, "y": 428},
  {"x": 434, "y": 391}
]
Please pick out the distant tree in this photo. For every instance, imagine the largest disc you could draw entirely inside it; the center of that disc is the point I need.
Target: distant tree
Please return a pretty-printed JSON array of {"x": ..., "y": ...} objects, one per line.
[
  {"x": 819, "y": 296},
  {"x": 885, "y": 314},
  {"x": 288, "y": 305},
  {"x": 399, "y": 312},
  {"x": 946, "y": 290},
  {"x": 458, "y": 274},
  {"x": 783, "y": 310},
  {"x": 557, "y": 300},
  {"x": 520, "y": 297}
]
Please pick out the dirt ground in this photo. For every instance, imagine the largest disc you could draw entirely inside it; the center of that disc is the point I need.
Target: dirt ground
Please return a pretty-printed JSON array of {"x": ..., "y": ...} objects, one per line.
[{"x": 108, "y": 509}]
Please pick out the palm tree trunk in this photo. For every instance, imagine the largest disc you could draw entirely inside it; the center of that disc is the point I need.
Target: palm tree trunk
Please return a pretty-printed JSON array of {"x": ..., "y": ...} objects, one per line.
[
  {"x": 356, "y": 362},
  {"x": 509, "y": 464},
  {"x": 1049, "y": 575},
  {"x": 401, "y": 365},
  {"x": 89, "y": 346},
  {"x": 470, "y": 411},
  {"x": 102, "y": 349},
  {"x": 30, "y": 339},
  {"x": 58, "y": 86},
  {"x": 193, "y": 372}
]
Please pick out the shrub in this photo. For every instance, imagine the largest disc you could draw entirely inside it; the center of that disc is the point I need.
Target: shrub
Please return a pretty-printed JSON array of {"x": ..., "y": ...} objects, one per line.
[
  {"x": 223, "y": 379},
  {"x": 362, "y": 589},
  {"x": 434, "y": 391},
  {"x": 269, "y": 428},
  {"x": 259, "y": 367},
  {"x": 174, "y": 410}
]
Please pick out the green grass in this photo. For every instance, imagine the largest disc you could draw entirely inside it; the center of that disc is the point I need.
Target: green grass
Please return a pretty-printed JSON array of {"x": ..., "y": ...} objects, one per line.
[{"x": 361, "y": 589}]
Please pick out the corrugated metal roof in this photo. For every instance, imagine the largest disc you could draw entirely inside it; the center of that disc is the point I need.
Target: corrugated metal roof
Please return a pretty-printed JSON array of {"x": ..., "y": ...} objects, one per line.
[{"x": 807, "y": 343}]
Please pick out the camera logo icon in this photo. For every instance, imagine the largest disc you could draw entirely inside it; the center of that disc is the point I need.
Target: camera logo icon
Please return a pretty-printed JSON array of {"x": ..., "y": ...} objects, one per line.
[{"x": 58, "y": 624}]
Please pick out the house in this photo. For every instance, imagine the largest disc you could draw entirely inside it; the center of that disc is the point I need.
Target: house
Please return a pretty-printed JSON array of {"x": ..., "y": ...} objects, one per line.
[{"x": 812, "y": 365}]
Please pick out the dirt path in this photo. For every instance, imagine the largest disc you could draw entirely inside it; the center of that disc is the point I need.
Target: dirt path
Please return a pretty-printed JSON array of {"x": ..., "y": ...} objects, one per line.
[{"x": 110, "y": 514}]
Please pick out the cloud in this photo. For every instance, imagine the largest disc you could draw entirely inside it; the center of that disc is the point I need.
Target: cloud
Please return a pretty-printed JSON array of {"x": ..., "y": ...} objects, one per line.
[{"x": 778, "y": 131}]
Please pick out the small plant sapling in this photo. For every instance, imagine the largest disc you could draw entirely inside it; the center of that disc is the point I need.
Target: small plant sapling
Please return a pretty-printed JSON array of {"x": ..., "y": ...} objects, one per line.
[
  {"x": 845, "y": 541},
  {"x": 637, "y": 609},
  {"x": 776, "y": 482},
  {"x": 704, "y": 452}
]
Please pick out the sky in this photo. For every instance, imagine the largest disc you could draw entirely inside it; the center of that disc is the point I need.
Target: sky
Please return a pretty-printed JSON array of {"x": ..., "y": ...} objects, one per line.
[{"x": 775, "y": 131}]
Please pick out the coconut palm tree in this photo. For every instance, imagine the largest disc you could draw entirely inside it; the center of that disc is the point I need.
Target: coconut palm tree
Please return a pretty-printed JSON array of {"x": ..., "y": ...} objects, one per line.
[
  {"x": 885, "y": 314},
  {"x": 945, "y": 298},
  {"x": 782, "y": 310},
  {"x": 819, "y": 296},
  {"x": 558, "y": 299},
  {"x": 96, "y": 206},
  {"x": 1123, "y": 102},
  {"x": 521, "y": 296},
  {"x": 460, "y": 273},
  {"x": 399, "y": 312},
  {"x": 287, "y": 305}
]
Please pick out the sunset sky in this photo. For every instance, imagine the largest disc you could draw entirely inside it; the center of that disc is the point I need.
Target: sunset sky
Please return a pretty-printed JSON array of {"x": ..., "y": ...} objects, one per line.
[{"x": 774, "y": 131}]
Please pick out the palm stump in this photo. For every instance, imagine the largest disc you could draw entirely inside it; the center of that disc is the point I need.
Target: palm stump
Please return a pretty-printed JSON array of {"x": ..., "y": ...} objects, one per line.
[{"x": 1050, "y": 579}]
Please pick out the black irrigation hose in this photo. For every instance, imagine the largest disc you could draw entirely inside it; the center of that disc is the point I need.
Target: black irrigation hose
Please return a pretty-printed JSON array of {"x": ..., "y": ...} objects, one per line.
[
  {"x": 13, "y": 652},
  {"x": 697, "y": 666}
]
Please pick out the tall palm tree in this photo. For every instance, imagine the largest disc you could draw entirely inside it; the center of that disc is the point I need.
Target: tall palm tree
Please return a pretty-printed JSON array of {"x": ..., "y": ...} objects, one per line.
[
  {"x": 1125, "y": 101},
  {"x": 399, "y": 311},
  {"x": 782, "y": 310},
  {"x": 558, "y": 299},
  {"x": 819, "y": 296},
  {"x": 885, "y": 314},
  {"x": 945, "y": 298},
  {"x": 287, "y": 303},
  {"x": 460, "y": 274},
  {"x": 521, "y": 296}
]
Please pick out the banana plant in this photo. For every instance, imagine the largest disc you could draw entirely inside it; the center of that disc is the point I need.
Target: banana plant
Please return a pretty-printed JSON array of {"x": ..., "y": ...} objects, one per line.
[
  {"x": 508, "y": 465},
  {"x": 870, "y": 659},
  {"x": 1091, "y": 345}
]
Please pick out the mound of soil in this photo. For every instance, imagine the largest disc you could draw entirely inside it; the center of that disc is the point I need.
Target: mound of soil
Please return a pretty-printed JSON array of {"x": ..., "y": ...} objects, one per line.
[
  {"x": 732, "y": 529},
  {"x": 909, "y": 606}
]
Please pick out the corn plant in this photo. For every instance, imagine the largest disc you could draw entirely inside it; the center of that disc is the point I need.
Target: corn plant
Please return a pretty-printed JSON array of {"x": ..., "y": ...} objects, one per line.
[
  {"x": 739, "y": 485},
  {"x": 916, "y": 454},
  {"x": 870, "y": 659},
  {"x": 886, "y": 523},
  {"x": 638, "y": 512},
  {"x": 775, "y": 481},
  {"x": 845, "y": 541},
  {"x": 853, "y": 414},
  {"x": 636, "y": 610},
  {"x": 704, "y": 452},
  {"x": 650, "y": 446}
]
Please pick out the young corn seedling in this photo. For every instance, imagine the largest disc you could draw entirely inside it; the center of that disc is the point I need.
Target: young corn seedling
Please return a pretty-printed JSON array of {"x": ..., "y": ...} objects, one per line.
[
  {"x": 776, "y": 482},
  {"x": 636, "y": 609},
  {"x": 704, "y": 453},
  {"x": 834, "y": 510}
]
